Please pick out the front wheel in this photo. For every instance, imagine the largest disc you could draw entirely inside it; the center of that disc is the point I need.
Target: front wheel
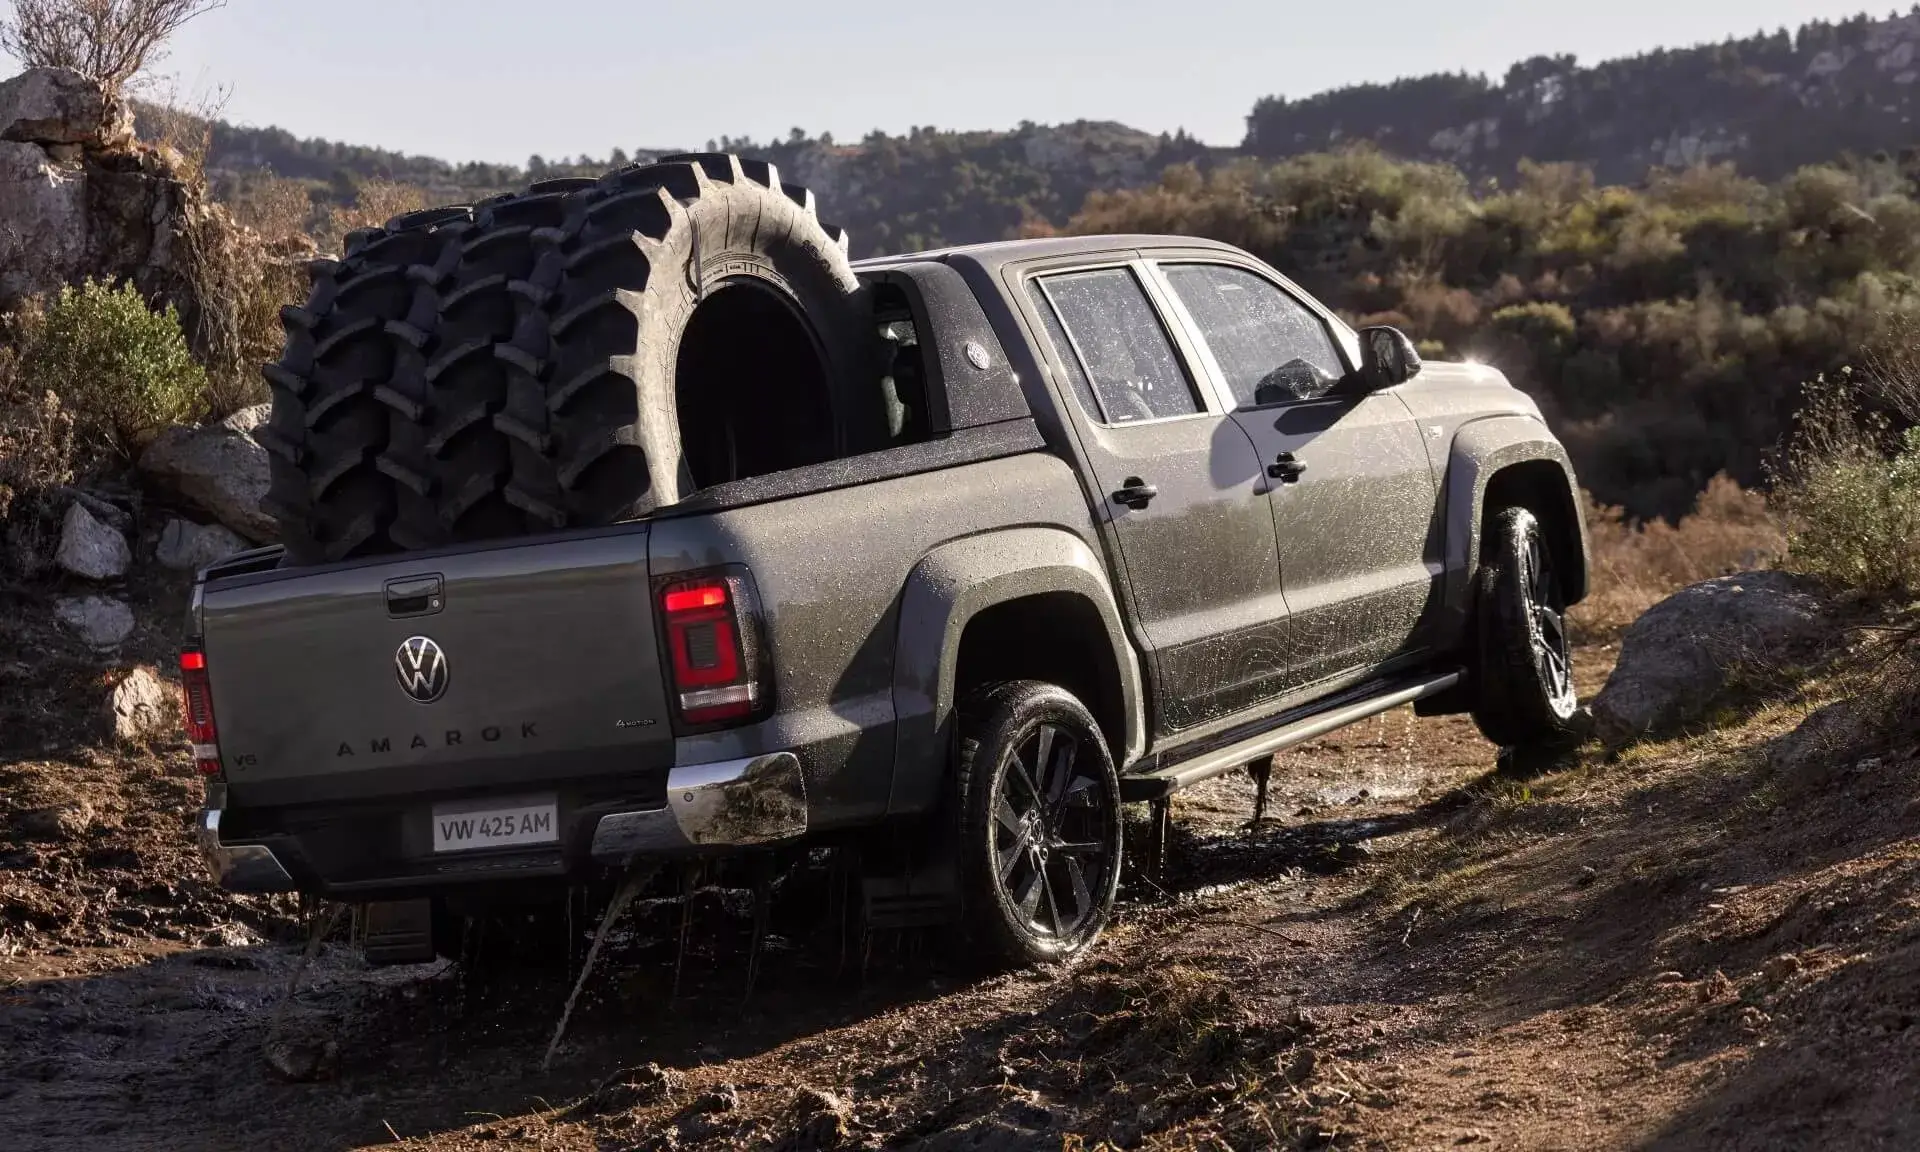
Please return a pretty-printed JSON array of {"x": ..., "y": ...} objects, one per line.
[
  {"x": 1525, "y": 680},
  {"x": 1038, "y": 803}
]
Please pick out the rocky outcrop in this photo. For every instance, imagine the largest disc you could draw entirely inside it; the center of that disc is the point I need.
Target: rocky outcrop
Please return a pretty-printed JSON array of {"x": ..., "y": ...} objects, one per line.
[
  {"x": 55, "y": 106},
  {"x": 89, "y": 548},
  {"x": 220, "y": 469},
  {"x": 79, "y": 199},
  {"x": 1678, "y": 657}
]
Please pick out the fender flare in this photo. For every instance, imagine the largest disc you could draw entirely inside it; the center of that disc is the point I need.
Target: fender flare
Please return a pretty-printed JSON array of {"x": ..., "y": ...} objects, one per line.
[
  {"x": 1480, "y": 450},
  {"x": 949, "y": 587}
]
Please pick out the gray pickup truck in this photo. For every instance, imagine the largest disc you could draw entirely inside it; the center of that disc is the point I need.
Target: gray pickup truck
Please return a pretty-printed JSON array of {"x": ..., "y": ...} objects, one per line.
[{"x": 1134, "y": 511}]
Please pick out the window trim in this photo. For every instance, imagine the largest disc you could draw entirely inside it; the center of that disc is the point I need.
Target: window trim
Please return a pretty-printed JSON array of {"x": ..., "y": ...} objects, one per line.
[
  {"x": 1185, "y": 353},
  {"x": 1333, "y": 326}
]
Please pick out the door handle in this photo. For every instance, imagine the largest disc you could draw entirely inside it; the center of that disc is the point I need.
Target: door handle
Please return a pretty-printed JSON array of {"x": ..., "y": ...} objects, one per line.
[
  {"x": 415, "y": 596},
  {"x": 1135, "y": 493},
  {"x": 1286, "y": 469}
]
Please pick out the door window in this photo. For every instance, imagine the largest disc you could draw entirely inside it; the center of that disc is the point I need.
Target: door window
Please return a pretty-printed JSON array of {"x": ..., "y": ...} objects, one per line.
[
  {"x": 1112, "y": 343},
  {"x": 1271, "y": 349}
]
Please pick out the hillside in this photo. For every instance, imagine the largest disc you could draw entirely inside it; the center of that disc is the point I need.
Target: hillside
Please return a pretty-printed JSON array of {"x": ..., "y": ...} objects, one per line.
[{"x": 1768, "y": 103}]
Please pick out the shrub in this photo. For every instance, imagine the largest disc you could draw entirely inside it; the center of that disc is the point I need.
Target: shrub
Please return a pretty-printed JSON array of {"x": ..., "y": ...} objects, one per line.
[
  {"x": 1850, "y": 489},
  {"x": 122, "y": 368},
  {"x": 240, "y": 280}
]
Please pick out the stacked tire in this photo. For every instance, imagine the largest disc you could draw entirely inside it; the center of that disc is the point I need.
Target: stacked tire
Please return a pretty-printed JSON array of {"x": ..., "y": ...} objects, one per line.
[{"x": 514, "y": 367}]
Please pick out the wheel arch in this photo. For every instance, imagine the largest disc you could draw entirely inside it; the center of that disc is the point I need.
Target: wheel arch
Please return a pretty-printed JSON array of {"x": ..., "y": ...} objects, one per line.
[
  {"x": 1024, "y": 603},
  {"x": 1501, "y": 462}
]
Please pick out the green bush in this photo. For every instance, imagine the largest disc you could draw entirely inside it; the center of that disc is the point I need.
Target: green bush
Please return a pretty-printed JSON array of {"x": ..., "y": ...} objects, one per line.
[
  {"x": 1850, "y": 494},
  {"x": 123, "y": 369}
]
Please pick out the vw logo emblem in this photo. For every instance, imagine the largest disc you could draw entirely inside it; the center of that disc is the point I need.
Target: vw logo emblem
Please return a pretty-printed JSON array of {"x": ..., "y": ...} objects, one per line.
[{"x": 422, "y": 669}]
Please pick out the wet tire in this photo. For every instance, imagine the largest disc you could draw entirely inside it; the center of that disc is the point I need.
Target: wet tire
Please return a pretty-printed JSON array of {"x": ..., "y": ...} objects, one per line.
[
  {"x": 574, "y": 356},
  {"x": 1038, "y": 830},
  {"x": 1525, "y": 694}
]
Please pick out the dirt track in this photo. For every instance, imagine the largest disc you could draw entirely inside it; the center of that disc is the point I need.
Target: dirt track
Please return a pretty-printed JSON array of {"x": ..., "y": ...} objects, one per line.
[{"x": 1411, "y": 955}]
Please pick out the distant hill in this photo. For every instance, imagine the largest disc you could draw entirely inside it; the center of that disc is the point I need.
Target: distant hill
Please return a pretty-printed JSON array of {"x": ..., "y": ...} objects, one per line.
[{"x": 1769, "y": 103}]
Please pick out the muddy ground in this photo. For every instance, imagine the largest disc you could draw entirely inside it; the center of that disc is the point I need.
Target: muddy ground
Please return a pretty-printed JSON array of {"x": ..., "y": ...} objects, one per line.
[{"x": 1710, "y": 942}]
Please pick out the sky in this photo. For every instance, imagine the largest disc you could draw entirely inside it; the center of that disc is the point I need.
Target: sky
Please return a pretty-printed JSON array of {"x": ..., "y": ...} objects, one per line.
[{"x": 500, "y": 80}]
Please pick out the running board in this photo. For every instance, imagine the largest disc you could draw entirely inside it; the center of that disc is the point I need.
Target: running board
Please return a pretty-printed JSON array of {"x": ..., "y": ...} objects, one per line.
[{"x": 1162, "y": 782}]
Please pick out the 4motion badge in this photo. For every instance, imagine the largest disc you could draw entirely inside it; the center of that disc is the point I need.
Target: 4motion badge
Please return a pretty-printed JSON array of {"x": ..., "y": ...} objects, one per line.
[{"x": 422, "y": 669}]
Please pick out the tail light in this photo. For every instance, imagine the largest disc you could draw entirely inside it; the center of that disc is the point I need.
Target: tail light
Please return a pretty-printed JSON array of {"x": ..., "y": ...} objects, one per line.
[
  {"x": 197, "y": 709},
  {"x": 711, "y": 629}
]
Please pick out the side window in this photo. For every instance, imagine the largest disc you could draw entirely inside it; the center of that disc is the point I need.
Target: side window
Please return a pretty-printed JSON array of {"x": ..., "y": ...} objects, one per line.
[
  {"x": 1270, "y": 347},
  {"x": 1113, "y": 344}
]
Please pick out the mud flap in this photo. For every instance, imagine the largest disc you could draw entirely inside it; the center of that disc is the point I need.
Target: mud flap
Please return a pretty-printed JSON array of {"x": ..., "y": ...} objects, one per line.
[{"x": 398, "y": 931}]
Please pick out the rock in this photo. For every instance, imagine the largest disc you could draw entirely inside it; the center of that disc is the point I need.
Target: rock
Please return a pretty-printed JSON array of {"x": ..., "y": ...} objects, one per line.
[
  {"x": 43, "y": 223},
  {"x": 1821, "y": 737},
  {"x": 1676, "y": 658},
  {"x": 103, "y": 509},
  {"x": 141, "y": 707},
  {"x": 60, "y": 106},
  {"x": 89, "y": 548},
  {"x": 188, "y": 547},
  {"x": 56, "y": 822},
  {"x": 220, "y": 468},
  {"x": 819, "y": 1119},
  {"x": 101, "y": 622}
]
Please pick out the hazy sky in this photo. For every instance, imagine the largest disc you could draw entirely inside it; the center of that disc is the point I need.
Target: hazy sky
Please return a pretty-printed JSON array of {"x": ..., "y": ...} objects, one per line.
[{"x": 499, "y": 80}]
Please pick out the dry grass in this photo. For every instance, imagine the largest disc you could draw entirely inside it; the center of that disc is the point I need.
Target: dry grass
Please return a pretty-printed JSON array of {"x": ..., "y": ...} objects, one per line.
[
  {"x": 1634, "y": 566},
  {"x": 375, "y": 203},
  {"x": 273, "y": 206}
]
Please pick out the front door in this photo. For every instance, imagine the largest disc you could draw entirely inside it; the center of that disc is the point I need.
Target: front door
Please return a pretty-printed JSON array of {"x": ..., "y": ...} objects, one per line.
[
  {"x": 1353, "y": 496},
  {"x": 1182, "y": 489}
]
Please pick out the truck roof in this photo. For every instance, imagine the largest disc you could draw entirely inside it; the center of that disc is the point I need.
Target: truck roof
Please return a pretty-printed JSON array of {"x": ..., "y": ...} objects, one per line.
[{"x": 993, "y": 254}]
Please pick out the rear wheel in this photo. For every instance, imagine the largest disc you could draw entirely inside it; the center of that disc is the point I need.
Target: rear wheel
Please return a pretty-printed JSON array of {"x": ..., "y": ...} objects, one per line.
[
  {"x": 1039, "y": 823},
  {"x": 1525, "y": 679}
]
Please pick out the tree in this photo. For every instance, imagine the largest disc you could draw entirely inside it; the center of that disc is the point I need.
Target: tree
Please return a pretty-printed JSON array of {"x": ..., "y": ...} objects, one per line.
[{"x": 110, "y": 41}]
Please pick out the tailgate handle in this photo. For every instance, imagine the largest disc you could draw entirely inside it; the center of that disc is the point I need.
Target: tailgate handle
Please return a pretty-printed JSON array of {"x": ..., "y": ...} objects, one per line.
[{"x": 415, "y": 596}]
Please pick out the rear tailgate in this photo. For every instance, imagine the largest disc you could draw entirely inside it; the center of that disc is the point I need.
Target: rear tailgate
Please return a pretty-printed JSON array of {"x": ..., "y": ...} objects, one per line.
[{"x": 507, "y": 668}]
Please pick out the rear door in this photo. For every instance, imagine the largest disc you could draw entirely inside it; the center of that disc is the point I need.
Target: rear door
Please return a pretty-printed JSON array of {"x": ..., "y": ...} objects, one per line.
[
  {"x": 516, "y": 665},
  {"x": 1182, "y": 488},
  {"x": 1353, "y": 498}
]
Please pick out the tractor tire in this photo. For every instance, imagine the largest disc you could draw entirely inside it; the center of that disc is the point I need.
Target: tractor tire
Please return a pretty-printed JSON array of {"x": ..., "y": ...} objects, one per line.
[
  {"x": 651, "y": 312},
  {"x": 573, "y": 356},
  {"x": 345, "y": 384}
]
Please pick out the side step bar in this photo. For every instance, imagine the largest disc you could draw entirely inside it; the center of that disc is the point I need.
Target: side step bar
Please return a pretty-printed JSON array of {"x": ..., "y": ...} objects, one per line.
[{"x": 1162, "y": 782}]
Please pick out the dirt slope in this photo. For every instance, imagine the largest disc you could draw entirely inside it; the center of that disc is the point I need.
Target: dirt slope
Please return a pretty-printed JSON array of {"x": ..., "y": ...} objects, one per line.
[{"x": 1708, "y": 943}]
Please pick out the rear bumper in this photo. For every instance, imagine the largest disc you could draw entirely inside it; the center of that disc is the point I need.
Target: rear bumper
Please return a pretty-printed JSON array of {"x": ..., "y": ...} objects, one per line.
[{"x": 711, "y": 808}]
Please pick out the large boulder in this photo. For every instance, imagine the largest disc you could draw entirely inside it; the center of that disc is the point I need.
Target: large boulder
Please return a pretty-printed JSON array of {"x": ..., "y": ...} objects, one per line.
[
  {"x": 101, "y": 622},
  {"x": 187, "y": 547},
  {"x": 220, "y": 468},
  {"x": 1677, "y": 658},
  {"x": 89, "y": 548},
  {"x": 60, "y": 106}
]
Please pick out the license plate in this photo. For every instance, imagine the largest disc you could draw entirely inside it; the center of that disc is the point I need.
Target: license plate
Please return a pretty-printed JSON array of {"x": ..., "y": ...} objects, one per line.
[{"x": 473, "y": 824}]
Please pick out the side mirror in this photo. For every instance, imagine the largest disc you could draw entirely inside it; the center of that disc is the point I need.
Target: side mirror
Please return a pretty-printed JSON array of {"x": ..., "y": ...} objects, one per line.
[{"x": 1387, "y": 357}]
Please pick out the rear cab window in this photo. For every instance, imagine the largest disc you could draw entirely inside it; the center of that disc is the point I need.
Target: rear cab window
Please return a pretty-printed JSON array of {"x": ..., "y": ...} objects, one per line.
[{"x": 1116, "y": 354}]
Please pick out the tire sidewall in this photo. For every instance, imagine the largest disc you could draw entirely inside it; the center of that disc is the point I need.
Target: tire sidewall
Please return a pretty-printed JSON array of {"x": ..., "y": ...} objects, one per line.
[
  {"x": 1514, "y": 681},
  {"x": 993, "y": 729}
]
